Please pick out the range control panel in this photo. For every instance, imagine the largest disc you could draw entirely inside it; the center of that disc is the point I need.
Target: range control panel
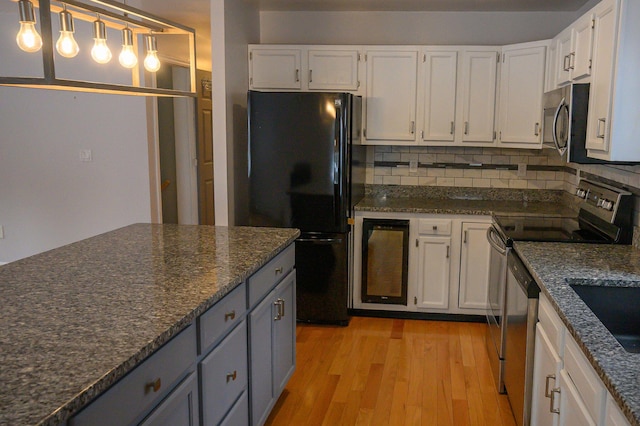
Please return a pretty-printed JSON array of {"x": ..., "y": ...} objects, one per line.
[{"x": 600, "y": 199}]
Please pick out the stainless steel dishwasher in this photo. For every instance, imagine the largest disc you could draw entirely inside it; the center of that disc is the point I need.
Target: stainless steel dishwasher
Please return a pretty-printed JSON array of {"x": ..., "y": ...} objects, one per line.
[{"x": 521, "y": 317}]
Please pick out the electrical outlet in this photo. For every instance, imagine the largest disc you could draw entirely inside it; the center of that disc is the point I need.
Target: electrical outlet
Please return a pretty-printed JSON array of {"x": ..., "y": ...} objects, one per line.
[
  {"x": 413, "y": 166},
  {"x": 522, "y": 169},
  {"x": 85, "y": 155}
]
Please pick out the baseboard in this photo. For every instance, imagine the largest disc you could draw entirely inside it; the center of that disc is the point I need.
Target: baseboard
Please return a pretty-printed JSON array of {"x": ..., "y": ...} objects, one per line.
[{"x": 417, "y": 315}]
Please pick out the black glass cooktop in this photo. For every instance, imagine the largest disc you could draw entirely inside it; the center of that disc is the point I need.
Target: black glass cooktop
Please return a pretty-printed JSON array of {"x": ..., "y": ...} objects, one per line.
[{"x": 546, "y": 228}]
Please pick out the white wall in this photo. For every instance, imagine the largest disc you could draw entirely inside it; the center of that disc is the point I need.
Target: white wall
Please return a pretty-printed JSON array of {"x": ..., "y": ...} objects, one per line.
[
  {"x": 234, "y": 24},
  {"x": 48, "y": 197},
  {"x": 480, "y": 28}
]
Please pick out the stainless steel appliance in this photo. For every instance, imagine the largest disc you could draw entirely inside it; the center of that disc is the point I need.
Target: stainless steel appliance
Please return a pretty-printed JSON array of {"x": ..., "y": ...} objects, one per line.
[
  {"x": 605, "y": 216},
  {"x": 385, "y": 260},
  {"x": 305, "y": 169},
  {"x": 521, "y": 315}
]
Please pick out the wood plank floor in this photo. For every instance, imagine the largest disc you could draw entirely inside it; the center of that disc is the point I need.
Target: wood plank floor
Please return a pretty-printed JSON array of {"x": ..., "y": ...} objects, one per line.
[{"x": 380, "y": 371}]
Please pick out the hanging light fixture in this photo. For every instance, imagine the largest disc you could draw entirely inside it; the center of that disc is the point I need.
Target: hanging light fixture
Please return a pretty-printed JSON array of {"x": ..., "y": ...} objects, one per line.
[
  {"x": 151, "y": 61},
  {"x": 28, "y": 38},
  {"x": 127, "y": 58},
  {"x": 66, "y": 44},
  {"x": 100, "y": 52}
]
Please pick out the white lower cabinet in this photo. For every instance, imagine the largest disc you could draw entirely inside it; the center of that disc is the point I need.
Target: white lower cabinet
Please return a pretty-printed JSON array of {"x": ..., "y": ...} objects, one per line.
[
  {"x": 474, "y": 266},
  {"x": 566, "y": 389},
  {"x": 448, "y": 264}
]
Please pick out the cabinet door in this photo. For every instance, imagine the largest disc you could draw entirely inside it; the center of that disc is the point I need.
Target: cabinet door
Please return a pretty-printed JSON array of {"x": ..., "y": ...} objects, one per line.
[
  {"x": 521, "y": 87},
  {"x": 333, "y": 70},
  {"x": 284, "y": 333},
  {"x": 391, "y": 95},
  {"x": 439, "y": 77},
  {"x": 261, "y": 360},
  {"x": 479, "y": 95},
  {"x": 552, "y": 63},
  {"x": 601, "y": 77},
  {"x": 546, "y": 375},
  {"x": 272, "y": 68},
  {"x": 614, "y": 416},
  {"x": 474, "y": 266},
  {"x": 565, "y": 48},
  {"x": 582, "y": 44},
  {"x": 434, "y": 264},
  {"x": 180, "y": 408},
  {"x": 573, "y": 412}
]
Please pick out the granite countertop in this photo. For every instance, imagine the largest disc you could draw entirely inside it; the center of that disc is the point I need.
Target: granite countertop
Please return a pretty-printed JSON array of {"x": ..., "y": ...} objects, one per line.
[
  {"x": 462, "y": 206},
  {"x": 552, "y": 264},
  {"x": 76, "y": 319}
]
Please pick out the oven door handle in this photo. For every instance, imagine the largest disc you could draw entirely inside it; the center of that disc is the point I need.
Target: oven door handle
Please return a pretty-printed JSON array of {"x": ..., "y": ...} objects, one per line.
[{"x": 495, "y": 241}]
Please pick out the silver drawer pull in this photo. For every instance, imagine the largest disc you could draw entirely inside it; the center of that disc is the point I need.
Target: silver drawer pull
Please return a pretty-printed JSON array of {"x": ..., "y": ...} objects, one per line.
[
  {"x": 279, "y": 270},
  {"x": 232, "y": 376},
  {"x": 229, "y": 316},
  {"x": 153, "y": 386},
  {"x": 547, "y": 388}
]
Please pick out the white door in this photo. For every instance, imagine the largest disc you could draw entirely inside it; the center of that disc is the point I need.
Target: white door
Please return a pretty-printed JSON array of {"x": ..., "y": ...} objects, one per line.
[
  {"x": 479, "y": 95},
  {"x": 582, "y": 45},
  {"x": 474, "y": 266},
  {"x": 439, "y": 77},
  {"x": 521, "y": 87},
  {"x": 434, "y": 261},
  {"x": 601, "y": 78},
  {"x": 391, "y": 95},
  {"x": 274, "y": 68},
  {"x": 333, "y": 70},
  {"x": 546, "y": 376}
]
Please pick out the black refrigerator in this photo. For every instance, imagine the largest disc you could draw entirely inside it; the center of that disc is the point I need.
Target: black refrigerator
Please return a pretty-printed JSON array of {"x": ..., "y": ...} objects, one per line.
[{"x": 306, "y": 170}]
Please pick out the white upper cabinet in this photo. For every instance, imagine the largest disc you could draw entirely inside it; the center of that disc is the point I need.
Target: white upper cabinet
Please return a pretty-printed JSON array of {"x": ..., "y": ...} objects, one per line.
[
  {"x": 613, "y": 120},
  {"x": 574, "y": 50},
  {"x": 390, "y": 103},
  {"x": 439, "y": 79},
  {"x": 274, "y": 68},
  {"x": 521, "y": 87},
  {"x": 479, "y": 72},
  {"x": 331, "y": 69}
]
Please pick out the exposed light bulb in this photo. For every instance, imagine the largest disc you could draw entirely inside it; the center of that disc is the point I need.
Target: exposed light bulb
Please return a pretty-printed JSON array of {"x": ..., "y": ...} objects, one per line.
[
  {"x": 100, "y": 52},
  {"x": 127, "y": 58},
  {"x": 66, "y": 44},
  {"x": 151, "y": 61},
  {"x": 28, "y": 38}
]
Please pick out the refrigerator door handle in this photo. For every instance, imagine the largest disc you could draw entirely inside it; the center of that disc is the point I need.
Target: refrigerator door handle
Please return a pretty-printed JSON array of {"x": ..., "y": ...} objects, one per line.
[{"x": 337, "y": 161}]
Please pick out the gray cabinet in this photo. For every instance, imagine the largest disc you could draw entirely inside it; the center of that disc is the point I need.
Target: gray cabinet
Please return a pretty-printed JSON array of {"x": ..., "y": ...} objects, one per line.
[
  {"x": 180, "y": 408},
  {"x": 272, "y": 351}
]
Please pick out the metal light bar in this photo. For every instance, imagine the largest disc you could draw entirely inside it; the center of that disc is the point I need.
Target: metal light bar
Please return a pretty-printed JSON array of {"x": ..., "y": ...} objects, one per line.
[{"x": 147, "y": 22}]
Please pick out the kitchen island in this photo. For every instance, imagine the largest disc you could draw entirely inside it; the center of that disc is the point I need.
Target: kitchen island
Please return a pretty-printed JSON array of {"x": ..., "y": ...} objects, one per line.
[
  {"x": 555, "y": 266},
  {"x": 76, "y": 319}
]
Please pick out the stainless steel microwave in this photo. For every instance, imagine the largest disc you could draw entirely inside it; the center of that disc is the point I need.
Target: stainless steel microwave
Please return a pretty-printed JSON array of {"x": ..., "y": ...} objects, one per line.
[{"x": 564, "y": 125}]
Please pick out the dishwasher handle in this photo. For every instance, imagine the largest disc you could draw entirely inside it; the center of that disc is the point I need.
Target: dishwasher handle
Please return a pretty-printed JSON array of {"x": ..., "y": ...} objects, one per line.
[{"x": 495, "y": 241}]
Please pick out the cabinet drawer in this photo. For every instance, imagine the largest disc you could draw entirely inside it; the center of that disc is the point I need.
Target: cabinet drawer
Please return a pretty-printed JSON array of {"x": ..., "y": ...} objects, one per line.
[
  {"x": 224, "y": 375},
  {"x": 265, "y": 279},
  {"x": 239, "y": 414},
  {"x": 222, "y": 317},
  {"x": 587, "y": 383},
  {"x": 134, "y": 394},
  {"x": 552, "y": 324},
  {"x": 434, "y": 227}
]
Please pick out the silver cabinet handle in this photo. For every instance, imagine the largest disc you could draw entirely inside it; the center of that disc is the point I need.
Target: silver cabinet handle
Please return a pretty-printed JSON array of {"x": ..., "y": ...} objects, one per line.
[
  {"x": 279, "y": 304},
  {"x": 536, "y": 129},
  {"x": 278, "y": 270},
  {"x": 281, "y": 307},
  {"x": 297, "y": 75},
  {"x": 552, "y": 401},
  {"x": 466, "y": 127},
  {"x": 448, "y": 247},
  {"x": 601, "y": 129},
  {"x": 464, "y": 240},
  {"x": 412, "y": 128},
  {"x": 566, "y": 63},
  {"x": 453, "y": 127},
  {"x": 310, "y": 76},
  {"x": 572, "y": 60},
  {"x": 547, "y": 388},
  {"x": 229, "y": 316}
]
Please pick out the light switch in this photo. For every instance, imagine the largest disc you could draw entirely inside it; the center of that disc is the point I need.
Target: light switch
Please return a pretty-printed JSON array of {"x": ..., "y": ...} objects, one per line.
[{"x": 85, "y": 155}]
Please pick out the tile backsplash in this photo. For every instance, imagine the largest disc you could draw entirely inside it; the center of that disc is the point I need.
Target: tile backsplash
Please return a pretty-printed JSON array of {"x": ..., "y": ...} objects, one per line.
[{"x": 492, "y": 168}]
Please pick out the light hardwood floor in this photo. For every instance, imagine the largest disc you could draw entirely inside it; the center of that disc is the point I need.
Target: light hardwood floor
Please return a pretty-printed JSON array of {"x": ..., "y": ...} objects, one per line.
[{"x": 380, "y": 371}]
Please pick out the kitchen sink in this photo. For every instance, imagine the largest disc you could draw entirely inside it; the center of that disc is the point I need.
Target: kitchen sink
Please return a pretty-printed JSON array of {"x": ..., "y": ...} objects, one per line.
[{"x": 617, "y": 306}]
